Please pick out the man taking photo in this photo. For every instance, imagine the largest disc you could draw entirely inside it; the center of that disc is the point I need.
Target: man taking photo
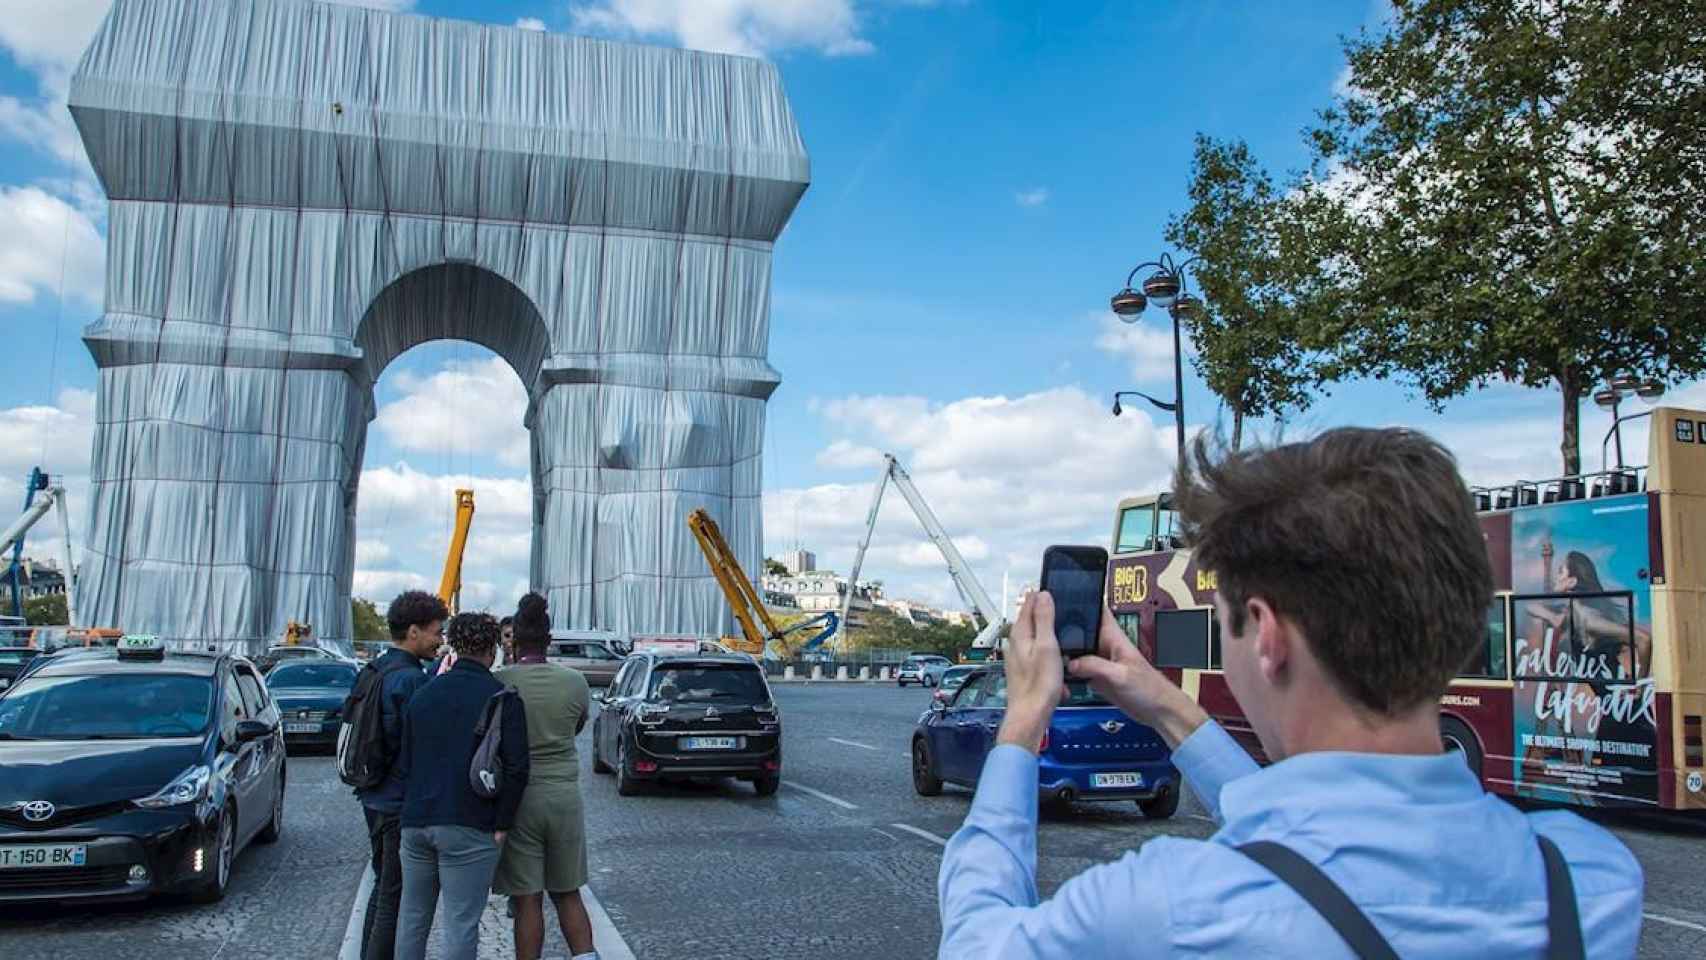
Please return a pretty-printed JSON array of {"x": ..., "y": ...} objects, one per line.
[{"x": 1354, "y": 584}]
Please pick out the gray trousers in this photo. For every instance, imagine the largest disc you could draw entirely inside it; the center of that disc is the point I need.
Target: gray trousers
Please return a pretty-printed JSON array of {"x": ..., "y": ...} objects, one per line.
[{"x": 458, "y": 863}]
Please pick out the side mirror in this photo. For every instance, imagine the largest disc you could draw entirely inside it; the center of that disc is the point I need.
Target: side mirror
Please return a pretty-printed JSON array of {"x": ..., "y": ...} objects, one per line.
[
  {"x": 938, "y": 706},
  {"x": 248, "y": 730}
]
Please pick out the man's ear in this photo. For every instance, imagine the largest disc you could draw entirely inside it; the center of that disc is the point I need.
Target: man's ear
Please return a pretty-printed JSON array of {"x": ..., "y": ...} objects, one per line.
[{"x": 1273, "y": 639}]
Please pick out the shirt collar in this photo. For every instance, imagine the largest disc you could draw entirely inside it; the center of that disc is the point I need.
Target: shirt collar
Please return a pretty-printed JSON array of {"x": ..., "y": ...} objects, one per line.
[
  {"x": 465, "y": 663},
  {"x": 404, "y": 653},
  {"x": 1310, "y": 784}
]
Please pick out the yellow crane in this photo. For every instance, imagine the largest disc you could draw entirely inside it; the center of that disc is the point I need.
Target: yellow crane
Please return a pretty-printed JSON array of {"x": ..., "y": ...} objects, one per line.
[
  {"x": 450, "y": 585},
  {"x": 744, "y": 599}
]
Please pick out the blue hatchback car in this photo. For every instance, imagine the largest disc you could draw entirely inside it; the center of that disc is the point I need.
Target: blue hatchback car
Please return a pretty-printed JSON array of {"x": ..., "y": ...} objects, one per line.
[{"x": 1092, "y": 750}]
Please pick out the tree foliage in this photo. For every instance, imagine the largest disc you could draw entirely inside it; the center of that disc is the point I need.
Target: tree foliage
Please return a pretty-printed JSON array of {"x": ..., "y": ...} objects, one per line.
[
  {"x": 1249, "y": 349},
  {"x": 48, "y": 610},
  {"x": 369, "y": 625},
  {"x": 774, "y": 567},
  {"x": 884, "y": 630},
  {"x": 1514, "y": 190}
]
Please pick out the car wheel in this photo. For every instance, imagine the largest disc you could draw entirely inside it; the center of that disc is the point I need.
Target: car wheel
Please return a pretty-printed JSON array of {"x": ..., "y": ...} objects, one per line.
[
  {"x": 626, "y": 785},
  {"x": 900, "y": 683},
  {"x": 598, "y": 764},
  {"x": 1455, "y": 736},
  {"x": 224, "y": 853},
  {"x": 924, "y": 779},
  {"x": 767, "y": 785},
  {"x": 275, "y": 826},
  {"x": 1161, "y": 806}
]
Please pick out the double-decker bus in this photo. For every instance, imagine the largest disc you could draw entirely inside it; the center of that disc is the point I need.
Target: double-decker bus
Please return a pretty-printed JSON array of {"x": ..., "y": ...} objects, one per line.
[{"x": 1589, "y": 684}]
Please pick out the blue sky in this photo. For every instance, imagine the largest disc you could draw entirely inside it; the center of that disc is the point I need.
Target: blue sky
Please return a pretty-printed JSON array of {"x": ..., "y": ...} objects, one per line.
[{"x": 984, "y": 174}]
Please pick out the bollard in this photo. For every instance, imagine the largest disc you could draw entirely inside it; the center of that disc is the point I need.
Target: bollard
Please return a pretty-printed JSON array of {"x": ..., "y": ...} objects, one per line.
[
  {"x": 817, "y": 671},
  {"x": 788, "y": 672},
  {"x": 841, "y": 672},
  {"x": 883, "y": 674},
  {"x": 865, "y": 673}
]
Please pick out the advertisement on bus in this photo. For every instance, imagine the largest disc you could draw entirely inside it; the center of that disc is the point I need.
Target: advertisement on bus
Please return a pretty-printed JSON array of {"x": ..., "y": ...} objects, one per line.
[{"x": 1585, "y": 727}]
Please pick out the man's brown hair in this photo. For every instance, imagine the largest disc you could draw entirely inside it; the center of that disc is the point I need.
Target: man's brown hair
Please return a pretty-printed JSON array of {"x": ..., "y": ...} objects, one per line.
[{"x": 1366, "y": 539}]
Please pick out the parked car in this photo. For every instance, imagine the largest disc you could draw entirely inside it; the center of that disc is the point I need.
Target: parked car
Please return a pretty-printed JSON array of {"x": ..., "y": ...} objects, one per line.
[
  {"x": 593, "y": 658},
  {"x": 952, "y": 679},
  {"x": 281, "y": 653},
  {"x": 13, "y": 660},
  {"x": 1091, "y": 751},
  {"x": 686, "y": 715},
  {"x": 925, "y": 670},
  {"x": 132, "y": 771},
  {"x": 310, "y": 694}
]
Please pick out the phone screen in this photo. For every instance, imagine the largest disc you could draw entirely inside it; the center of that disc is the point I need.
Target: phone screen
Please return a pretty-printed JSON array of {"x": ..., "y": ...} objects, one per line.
[{"x": 1074, "y": 577}]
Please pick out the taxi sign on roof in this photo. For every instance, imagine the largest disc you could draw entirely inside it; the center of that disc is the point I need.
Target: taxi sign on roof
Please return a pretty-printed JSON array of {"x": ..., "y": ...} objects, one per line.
[{"x": 141, "y": 645}]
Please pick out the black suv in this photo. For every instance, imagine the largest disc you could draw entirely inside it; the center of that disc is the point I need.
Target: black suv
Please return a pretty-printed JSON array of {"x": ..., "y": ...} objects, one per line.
[
  {"x": 687, "y": 715},
  {"x": 131, "y": 771}
]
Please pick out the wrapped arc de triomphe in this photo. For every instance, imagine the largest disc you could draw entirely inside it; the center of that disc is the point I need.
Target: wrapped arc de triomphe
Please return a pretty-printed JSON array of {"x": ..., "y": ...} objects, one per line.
[{"x": 300, "y": 191}]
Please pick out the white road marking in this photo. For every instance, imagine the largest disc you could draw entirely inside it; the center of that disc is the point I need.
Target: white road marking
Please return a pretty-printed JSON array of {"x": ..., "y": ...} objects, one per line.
[
  {"x": 821, "y": 795},
  {"x": 1198, "y": 816},
  {"x": 851, "y": 743},
  {"x": 938, "y": 841},
  {"x": 351, "y": 949},
  {"x": 606, "y": 939},
  {"x": 1675, "y": 922}
]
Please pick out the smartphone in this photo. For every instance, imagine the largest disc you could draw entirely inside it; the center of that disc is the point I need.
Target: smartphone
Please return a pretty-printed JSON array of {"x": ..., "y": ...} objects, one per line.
[{"x": 1074, "y": 577}]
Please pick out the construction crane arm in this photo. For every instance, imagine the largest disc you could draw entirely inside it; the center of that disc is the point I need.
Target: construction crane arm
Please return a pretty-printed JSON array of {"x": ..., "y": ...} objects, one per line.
[
  {"x": 742, "y": 596},
  {"x": 964, "y": 580},
  {"x": 52, "y": 498},
  {"x": 450, "y": 585}
]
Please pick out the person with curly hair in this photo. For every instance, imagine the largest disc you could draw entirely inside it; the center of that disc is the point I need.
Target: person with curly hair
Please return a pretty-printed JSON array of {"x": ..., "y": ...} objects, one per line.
[
  {"x": 546, "y": 852},
  {"x": 451, "y": 835}
]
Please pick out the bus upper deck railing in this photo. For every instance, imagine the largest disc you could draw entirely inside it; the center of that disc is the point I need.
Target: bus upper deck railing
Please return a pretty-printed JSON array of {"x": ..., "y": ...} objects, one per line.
[{"x": 1582, "y": 486}]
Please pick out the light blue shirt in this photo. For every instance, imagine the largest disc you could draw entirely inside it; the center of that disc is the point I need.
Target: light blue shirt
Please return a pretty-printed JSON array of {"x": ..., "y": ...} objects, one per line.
[{"x": 1441, "y": 867}]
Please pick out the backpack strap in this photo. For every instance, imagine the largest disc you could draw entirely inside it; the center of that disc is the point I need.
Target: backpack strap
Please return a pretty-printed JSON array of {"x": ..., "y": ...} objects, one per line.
[
  {"x": 1563, "y": 923},
  {"x": 1320, "y": 892}
]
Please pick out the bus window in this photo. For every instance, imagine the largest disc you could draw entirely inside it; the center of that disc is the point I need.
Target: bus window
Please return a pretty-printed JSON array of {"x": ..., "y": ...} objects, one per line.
[
  {"x": 1132, "y": 624},
  {"x": 1182, "y": 638},
  {"x": 1490, "y": 661},
  {"x": 1168, "y": 530},
  {"x": 1137, "y": 529}
]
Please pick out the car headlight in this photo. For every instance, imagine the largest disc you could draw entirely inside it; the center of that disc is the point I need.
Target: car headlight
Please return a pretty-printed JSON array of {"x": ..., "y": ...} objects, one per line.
[{"x": 188, "y": 787}]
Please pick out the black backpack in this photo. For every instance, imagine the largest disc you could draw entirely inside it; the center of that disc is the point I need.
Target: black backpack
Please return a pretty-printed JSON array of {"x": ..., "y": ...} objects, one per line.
[
  {"x": 362, "y": 758},
  {"x": 485, "y": 770}
]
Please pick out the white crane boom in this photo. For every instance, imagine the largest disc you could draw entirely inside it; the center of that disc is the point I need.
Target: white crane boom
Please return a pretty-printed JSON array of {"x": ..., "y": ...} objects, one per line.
[
  {"x": 965, "y": 581},
  {"x": 51, "y": 498}
]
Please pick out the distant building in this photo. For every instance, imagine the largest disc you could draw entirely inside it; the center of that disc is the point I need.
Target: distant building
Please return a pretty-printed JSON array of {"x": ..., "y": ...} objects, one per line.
[
  {"x": 39, "y": 578},
  {"x": 817, "y": 590},
  {"x": 799, "y": 561}
]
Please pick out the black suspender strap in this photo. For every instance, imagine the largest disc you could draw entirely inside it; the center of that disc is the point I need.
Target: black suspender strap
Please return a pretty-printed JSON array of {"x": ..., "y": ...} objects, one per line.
[
  {"x": 1324, "y": 895},
  {"x": 1563, "y": 925}
]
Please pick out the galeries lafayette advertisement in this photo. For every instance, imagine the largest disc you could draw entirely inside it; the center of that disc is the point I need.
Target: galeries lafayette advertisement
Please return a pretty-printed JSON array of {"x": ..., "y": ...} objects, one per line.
[{"x": 1584, "y": 712}]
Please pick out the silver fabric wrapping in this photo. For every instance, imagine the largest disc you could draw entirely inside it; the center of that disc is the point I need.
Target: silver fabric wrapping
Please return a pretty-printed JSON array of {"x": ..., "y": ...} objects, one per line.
[{"x": 299, "y": 192}]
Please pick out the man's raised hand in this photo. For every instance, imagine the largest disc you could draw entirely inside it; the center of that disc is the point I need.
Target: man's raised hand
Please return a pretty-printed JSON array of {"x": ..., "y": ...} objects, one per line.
[
  {"x": 1119, "y": 672},
  {"x": 1034, "y": 674}
]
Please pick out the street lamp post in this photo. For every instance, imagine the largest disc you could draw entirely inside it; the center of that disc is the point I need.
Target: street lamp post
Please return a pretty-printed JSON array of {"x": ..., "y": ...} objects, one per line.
[
  {"x": 1610, "y": 397},
  {"x": 1165, "y": 288}
]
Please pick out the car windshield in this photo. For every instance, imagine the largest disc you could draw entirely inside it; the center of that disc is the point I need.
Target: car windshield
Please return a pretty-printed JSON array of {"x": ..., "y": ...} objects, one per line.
[
  {"x": 954, "y": 678},
  {"x": 106, "y": 707},
  {"x": 1079, "y": 694},
  {"x": 731, "y": 681},
  {"x": 16, "y": 656},
  {"x": 313, "y": 675}
]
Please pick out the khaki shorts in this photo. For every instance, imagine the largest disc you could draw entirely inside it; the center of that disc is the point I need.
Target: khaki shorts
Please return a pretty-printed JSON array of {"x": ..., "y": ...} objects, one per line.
[{"x": 546, "y": 849}]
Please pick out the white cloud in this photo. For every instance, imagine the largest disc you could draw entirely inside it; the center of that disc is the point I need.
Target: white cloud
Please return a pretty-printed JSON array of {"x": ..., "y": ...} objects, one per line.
[
  {"x": 1006, "y": 476},
  {"x": 56, "y": 438},
  {"x": 465, "y": 407},
  {"x": 1034, "y": 197},
  {"x": 44, "y": 236},
  {"x": 530, "y": 23},
  {"x": 748, "y": 27},
  {"x": 1147, "y": 344},
  {"x": 842, "y": 455}
]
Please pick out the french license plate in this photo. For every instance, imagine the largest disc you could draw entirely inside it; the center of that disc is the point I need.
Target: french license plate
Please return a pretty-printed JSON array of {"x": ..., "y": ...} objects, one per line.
[
  {"x": 43, "y": 855},
  {"x": 709, "y": 743},
  {"x": 1116, "y": 779},
  {"x": 301, "y": 728}
]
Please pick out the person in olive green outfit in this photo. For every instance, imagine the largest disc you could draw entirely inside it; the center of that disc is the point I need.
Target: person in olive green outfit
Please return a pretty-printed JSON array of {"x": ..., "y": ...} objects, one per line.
[{"x": 546, "y": 849}]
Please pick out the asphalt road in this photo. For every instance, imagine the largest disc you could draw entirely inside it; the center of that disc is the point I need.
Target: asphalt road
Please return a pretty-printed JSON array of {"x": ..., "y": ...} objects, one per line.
[{"x": 840, "y": 864}]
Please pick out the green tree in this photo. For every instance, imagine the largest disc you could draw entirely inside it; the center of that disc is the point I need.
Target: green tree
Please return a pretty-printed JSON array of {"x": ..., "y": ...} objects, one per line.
[
  {"x": 369, "y": 625},
  {"x": 1249, "y": 348},
  {"x": 46, "y": 611},
  {"x": 774, "y": 568},
  {"x": 1516, "y": 191}
]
